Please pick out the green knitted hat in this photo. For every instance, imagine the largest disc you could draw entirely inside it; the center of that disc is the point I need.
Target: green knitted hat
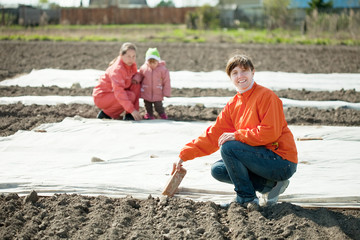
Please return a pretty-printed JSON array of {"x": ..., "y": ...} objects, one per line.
[{"x": 152, "y": 53}]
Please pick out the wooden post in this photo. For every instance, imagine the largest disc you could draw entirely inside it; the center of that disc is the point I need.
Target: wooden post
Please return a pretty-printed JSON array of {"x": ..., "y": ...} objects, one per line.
[{"x": 3, "y": 17}]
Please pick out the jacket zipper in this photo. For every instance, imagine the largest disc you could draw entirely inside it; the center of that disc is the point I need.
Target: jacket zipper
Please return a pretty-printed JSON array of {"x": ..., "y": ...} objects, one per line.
[{"x": 152, "y": 85}]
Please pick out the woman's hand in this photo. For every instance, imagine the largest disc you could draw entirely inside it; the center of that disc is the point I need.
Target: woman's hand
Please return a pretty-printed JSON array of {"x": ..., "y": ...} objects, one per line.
[
  {"x": 178, "y": 165},
  {"x": 136, "y": 115},
  {"x": 226, "y": 137}
]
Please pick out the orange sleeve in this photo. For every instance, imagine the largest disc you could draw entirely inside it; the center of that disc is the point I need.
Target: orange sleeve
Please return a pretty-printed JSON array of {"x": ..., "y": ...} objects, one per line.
[{"x": 207, "y": 143}]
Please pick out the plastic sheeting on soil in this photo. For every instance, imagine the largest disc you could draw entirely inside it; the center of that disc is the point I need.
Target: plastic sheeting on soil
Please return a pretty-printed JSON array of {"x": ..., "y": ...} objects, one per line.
[
  {"x": 187, "y": 79},
  {"x": 138, "y": 156},
  {"x": 218, "y": 102}
]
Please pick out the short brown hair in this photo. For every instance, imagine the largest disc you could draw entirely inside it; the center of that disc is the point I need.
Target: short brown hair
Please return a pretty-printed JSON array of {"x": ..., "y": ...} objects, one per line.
[{"x": 239, "y": 60}]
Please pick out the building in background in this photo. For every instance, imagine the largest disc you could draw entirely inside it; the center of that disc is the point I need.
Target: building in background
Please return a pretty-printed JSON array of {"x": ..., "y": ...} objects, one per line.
[
  {"x": 26, "y": 15},
  {"x": 252, "y": 11},
  {"x": 233, "y": 12},
  {"x": 118, "y": 3},
  {"x": 336, "y": 3}
]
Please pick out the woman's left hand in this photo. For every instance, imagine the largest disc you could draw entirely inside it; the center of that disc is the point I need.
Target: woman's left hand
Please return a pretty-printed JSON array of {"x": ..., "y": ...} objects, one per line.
[
  {"x": 226, "y": 137},
  {"x": 136, "y": 115},
  {"x": 177, "y": 166}
]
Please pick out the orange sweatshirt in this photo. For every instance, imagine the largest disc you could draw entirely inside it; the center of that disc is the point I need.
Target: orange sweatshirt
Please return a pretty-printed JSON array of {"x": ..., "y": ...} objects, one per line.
[{"x": 257, "y": 119}]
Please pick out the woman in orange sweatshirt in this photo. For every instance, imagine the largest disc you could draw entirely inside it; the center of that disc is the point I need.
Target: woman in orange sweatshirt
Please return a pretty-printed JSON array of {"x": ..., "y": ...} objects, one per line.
[
  {"x": 116, "y": 92},
  {"x": 257, "y": 148}
]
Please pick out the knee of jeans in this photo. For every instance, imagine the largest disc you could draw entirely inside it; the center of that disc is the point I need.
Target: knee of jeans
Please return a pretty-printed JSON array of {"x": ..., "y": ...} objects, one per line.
[
  {"x": 216, "y": 171},
  {"x": 226, "y": 147},
  {"x": 292, "y": 169}
]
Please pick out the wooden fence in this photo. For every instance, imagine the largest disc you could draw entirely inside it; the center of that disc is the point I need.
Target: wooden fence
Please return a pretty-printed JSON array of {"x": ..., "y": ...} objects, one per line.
[{"x": 114, "y": 15}]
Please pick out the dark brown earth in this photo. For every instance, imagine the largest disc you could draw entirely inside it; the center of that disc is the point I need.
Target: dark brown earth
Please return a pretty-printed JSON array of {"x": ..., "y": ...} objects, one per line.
[
  {"x": 19, "y": 116},
  {"x": 17, "y": 57},
  {"x": 21, "y": 57},
  {"x": 83, "y": 217}
]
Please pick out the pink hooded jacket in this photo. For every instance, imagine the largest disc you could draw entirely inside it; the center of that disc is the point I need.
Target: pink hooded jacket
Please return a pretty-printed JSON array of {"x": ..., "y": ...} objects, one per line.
[
  {"x": 155, "y": 84},
  {"x": 117, "y": 80}
]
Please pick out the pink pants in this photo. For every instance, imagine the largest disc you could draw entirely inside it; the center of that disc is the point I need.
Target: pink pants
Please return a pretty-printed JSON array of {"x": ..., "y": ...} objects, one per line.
[{"x": 111, "y": 106}]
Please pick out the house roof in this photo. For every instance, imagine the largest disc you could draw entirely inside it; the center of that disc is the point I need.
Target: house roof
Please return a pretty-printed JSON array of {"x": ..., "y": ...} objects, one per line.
[
  {"x": 336, "y": 3},
  {"x": 293, "y": 3}
]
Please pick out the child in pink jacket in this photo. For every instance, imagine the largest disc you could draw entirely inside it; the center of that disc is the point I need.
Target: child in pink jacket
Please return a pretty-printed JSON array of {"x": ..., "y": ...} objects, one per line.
[{"x": 155, "y": 83}]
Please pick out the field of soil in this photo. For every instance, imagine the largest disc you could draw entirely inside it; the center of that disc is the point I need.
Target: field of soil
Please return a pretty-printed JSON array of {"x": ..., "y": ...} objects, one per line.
[
  {"x": 83, "y": 217},
  {"x": 21, "y": 57}
]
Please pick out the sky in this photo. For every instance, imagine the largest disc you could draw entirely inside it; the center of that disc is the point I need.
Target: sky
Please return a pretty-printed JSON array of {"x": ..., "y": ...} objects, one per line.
[{"x": 76, "y": 3}]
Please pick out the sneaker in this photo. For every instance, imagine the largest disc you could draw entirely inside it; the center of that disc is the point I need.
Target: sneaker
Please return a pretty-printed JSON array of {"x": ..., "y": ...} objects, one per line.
[
  {"x": 227, "y": 204},
  {"x": 102, "y": 115},
  {"x": 128, "y": 117},
  {"x": 149, "y": 117},
  {"x": 252, "y": 205},
  {"x": 163, "y": 116},
  {"x": 272, "y": 197}
]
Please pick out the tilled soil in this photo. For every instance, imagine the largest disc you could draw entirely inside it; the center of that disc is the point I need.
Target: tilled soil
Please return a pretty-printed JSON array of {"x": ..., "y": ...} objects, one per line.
[
  {"x": 82, "y": 217},
  {"x": 19, "y": 116},
  {"x": 22, "y": 57}
]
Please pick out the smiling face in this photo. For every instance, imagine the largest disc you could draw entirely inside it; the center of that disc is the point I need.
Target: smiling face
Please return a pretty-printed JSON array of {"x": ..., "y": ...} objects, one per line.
[
  {"x": 241, "y": 71},
  {"x": 241, "y": 77}
]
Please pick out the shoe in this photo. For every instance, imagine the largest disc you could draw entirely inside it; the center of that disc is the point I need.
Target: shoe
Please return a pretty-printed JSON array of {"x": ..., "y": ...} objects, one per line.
[
  {"x": 163, "y": 116},
  {"x": 272, "y": 197},
  {"x": 148, "y": 117},
  {"x": 102, "y": 115},
  {"x": 227, "y": 204},
  {"x": 252, "y": 205},
  {"x": 128, "y": 117}
]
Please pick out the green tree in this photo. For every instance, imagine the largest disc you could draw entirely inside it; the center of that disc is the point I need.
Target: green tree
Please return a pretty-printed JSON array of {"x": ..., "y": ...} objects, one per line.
[
  {"x": 43, "y": 2},
  {"x": 210, "y": 17},
  {"x": 205, "y": 17},
  {"x": 164, "y": 3},
  {"x": 276, "y": 12},
  {"x": 320, "y": 5}
]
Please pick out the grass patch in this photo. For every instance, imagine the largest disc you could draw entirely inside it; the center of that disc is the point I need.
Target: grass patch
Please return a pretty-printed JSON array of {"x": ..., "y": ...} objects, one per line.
[{"x": 167, "y": 33}]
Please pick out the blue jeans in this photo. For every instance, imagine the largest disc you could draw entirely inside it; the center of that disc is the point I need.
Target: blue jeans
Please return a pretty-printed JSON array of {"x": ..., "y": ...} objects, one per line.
[{"x": 250, "y": 169}]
